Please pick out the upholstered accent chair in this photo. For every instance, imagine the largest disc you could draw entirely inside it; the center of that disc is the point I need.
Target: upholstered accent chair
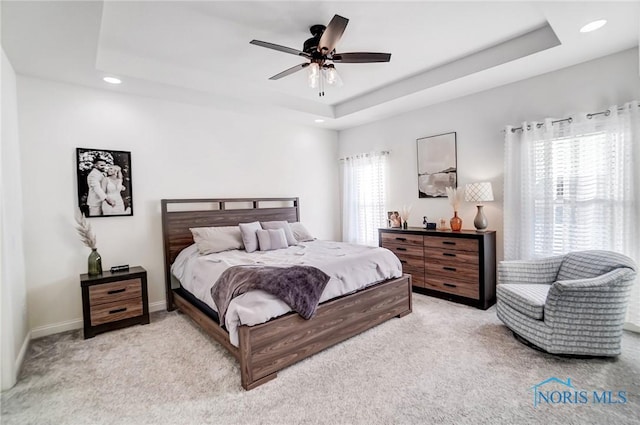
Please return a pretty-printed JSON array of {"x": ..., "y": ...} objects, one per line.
[{"x": 572, "y": 304}]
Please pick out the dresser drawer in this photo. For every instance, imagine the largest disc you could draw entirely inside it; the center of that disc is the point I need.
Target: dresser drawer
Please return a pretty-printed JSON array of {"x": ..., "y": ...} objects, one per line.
[
  {"x": 406, "y": 252},
  {"x": 452, "y": 286},
  {"x": 467, "y": 274},
  {"x": 116, "y": 291},
  {"x": 111, "y": 312},
  {"x": 457, "y": 244},
  {"x": 451, "y": 258},
  {"x": 401, "y": 238}
]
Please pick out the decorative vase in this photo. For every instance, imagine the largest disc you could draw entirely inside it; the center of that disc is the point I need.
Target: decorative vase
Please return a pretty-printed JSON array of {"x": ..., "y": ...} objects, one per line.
[
  {"x": 456, "y": 222},
  {"x": 405, "y": 225},
  {"x": 95, "y": 263}
]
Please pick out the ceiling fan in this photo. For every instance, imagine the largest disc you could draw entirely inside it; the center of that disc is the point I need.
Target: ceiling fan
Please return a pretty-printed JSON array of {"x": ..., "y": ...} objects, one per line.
[{"x": 320, "y": 50}]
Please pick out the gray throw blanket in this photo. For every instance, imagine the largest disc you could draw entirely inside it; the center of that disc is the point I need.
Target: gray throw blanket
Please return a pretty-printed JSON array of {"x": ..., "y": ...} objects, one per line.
[{"x": 298, "y": 286}]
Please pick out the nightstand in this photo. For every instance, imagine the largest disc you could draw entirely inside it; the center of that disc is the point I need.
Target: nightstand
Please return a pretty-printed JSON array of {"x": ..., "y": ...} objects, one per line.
[{"x": 114, "y": 300}]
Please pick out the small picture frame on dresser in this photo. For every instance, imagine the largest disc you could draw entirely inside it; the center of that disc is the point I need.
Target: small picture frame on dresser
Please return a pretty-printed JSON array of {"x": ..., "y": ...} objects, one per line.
[{"x": 393, "y": 219}]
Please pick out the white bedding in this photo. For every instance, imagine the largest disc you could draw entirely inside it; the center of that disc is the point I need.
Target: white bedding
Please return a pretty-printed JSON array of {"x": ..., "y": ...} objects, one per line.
[{"x": 351, "y": 267}]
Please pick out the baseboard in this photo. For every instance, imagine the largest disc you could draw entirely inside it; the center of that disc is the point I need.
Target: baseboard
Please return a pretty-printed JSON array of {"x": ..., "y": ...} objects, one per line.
[
  {"x": 22, "y": 353},
  {"x": 70, "y": 325},
  {"x": 157, "y": 306}
]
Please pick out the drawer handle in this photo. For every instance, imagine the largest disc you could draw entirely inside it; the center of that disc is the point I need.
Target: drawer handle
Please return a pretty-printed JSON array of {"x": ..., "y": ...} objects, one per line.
[
  {"x": 448, "y": 243},
  {"x": 120, "y": 310},
  {"x": 401, "y": 249},
  {"x": 401, "y": 239},
  {"x": 116, "y": 291},
  {"x": 448, "y": 254},
  {"x": 450, "y": 285},
  {"x": 451, "y": 269},
  {"x": 403, "y": 261}
]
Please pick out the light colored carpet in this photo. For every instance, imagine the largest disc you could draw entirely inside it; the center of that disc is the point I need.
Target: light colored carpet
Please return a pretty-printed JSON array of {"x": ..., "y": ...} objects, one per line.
[{"x": 443, "y": 364}]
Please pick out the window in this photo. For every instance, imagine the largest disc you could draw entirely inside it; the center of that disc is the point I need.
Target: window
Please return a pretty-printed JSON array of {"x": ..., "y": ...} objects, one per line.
[{"x": 364, "y": 197}]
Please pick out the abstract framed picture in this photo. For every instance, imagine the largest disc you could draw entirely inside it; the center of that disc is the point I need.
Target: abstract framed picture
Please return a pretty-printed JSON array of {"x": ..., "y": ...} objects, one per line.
[
  {"x": 104, "y": 182},
  {"x": 437, "y": 165}
]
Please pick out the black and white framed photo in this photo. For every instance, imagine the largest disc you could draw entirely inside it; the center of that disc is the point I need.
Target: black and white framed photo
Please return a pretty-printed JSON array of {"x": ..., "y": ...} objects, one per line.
[
  {"x": 437, "y": 165},
  {"x": 104, "y": 182}
]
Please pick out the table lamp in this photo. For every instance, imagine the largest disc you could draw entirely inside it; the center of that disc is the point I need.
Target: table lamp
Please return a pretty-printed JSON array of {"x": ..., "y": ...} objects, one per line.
[{"x": 479, "y": 193}]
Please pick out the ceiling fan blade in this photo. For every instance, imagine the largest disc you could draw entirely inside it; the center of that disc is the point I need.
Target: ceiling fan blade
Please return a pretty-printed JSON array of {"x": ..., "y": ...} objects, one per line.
[
  {"x": 280, "y": 48},
  {"x": 289, "y": 71},
  {"x": 332, "y": 34},
  {"x": 361, "y": 57}
]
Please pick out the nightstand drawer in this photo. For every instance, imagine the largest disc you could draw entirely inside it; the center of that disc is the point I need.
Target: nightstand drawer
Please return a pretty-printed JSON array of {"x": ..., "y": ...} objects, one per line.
[
  {"x": 114, "y": 292},
  {"x": 401, "y": 238},
  {"x": 457, "y": 244},
  {"x": 452, "y": 286},
  {"x": 111, "y": 312}
]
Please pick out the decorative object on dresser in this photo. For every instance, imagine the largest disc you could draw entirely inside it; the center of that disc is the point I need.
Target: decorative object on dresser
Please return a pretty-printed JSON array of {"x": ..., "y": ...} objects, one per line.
[
  {"x": 104, "y": 182},
  {"x": 265, "y": 348},
  {"x": 393, "y": 218},
  {"x": 479, "y": 193},
  {"x": 458, "y": 266},
  {"x": 405, "y": 212},
  {"x": 437, "y": 165},
  {"x": 88, "y": 238},
  {"x": 114, "y": 300},
  {"x": 455, "y": 197}
]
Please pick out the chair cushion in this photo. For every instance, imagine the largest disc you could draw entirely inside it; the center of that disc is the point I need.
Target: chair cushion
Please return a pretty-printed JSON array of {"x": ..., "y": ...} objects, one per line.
[
  {"x": 528, "y": 299},
  {"x": 588, "y": 264}
]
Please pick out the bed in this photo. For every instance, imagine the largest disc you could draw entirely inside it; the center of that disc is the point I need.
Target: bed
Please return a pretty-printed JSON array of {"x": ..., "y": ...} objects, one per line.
[{"x": 264, "y": 349}]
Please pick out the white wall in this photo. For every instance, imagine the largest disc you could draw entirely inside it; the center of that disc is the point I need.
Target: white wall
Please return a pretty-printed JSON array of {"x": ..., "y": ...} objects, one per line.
[
  {"x": 478, "y": 121},
  {"x": 14, "y": 328},
  {"x": 178, "y": 151}
]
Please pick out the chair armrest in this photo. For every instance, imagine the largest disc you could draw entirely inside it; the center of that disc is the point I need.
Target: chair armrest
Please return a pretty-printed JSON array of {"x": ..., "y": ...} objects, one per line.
[
  {"x": 543, "y": 271},
  {"x": 622, "y": 278},
  {"x": 583, "y": 301}
]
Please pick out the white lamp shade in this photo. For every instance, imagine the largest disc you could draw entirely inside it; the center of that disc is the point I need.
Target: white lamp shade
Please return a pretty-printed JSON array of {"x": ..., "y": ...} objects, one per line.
[{"x": 478, "y": 192}]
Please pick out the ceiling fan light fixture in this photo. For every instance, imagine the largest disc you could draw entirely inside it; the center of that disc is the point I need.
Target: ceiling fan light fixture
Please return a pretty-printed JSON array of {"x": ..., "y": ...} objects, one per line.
[
  {"x": 592, "y": 26},
  {"x": 314, "y": 75},
  {"x": 331, "y": 75}
]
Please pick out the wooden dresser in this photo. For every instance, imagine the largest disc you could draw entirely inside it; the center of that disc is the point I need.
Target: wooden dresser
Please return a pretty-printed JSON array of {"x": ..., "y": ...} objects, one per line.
[
  {"x": 114, "y": 300},
  {"x": 458, "y": 266}
]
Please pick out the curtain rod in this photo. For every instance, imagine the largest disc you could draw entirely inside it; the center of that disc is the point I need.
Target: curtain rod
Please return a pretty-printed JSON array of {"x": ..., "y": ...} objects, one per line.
[
  {"x": 346, "y": 158},
  {"x": 589, "y": 116}
]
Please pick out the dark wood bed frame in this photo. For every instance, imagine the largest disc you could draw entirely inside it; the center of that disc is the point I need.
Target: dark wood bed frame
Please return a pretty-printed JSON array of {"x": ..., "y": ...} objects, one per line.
[{"x": 266, "y": 348}]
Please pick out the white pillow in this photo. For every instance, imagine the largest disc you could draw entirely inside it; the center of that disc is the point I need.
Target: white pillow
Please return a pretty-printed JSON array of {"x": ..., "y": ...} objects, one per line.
[
  {"x": 300, "y": 232},
  {"x": 217, "y": 239},
  {"x": 291, "y": 240},
  {"x": 272, "y": 239},
  {"x": 249, "y": 236}
]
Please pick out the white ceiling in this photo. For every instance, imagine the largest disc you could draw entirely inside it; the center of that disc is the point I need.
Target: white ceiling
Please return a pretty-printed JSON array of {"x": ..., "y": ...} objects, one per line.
[{"x": 199, "y": 52}]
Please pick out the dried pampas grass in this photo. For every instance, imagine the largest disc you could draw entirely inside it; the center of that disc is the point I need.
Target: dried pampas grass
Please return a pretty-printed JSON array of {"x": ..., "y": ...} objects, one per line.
[{"x": 87, "y": 236}]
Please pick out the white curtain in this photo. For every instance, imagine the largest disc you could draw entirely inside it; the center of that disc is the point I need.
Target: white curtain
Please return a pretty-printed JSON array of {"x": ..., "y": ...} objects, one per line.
[
  {"x": 575, "y": 185},
  {"x": 364, "y": 197}
]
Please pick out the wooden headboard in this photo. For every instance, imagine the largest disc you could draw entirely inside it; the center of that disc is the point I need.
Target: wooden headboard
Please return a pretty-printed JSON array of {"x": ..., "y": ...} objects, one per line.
[{"x": 178, "y": 215}]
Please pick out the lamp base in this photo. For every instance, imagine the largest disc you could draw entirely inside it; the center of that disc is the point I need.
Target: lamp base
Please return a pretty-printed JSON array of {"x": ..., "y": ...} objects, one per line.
[{"x": 480, "y": 221}]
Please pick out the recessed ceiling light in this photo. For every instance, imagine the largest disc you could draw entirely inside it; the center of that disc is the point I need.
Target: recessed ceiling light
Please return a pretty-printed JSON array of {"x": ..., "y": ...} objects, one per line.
[
  {"x": 319, "y": 120},
  {"x": 112, "y": 80},
  {"x": 592, "y": 26}
]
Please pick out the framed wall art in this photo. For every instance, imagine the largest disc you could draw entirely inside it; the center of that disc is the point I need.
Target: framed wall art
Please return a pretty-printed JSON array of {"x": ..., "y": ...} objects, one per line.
[
  {"x": 437, "y": 165},
  {"x": 104, "y": 182}
]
